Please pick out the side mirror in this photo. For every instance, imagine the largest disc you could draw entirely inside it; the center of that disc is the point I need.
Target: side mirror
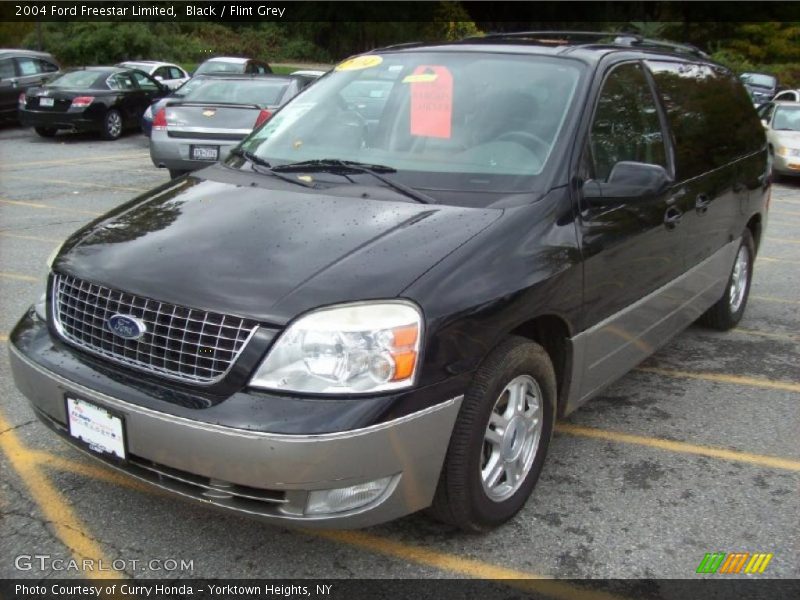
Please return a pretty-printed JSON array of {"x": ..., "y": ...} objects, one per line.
[
  {"x": 765, "y": 123},
  {"x": 628, "y": 181}
]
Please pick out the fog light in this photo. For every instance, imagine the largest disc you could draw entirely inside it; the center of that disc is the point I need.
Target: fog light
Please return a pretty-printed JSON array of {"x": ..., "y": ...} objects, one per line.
[{"x": 337, "y": 500}]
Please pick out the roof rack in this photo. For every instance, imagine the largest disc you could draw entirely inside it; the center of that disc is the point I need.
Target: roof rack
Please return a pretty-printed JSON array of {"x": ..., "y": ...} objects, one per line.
[{"x": 577, "y": 37}]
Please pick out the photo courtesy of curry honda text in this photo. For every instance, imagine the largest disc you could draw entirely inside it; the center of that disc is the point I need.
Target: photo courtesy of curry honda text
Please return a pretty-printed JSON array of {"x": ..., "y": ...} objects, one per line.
[{"x": 381, "y": 300}]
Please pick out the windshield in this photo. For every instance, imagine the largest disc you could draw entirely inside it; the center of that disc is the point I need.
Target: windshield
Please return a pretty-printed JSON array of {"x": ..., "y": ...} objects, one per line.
[
  {"x": 78, "y": 79},
  {"x": 445, "y": 120},
  {"x": 758, "y": 79},
  {"x": 262, "y": 92},
  {"x": 221, "y": 66},
  {"x": 787, "y": 117}
]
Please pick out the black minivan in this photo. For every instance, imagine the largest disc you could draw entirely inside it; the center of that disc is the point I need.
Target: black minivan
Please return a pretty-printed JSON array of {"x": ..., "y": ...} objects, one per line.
[{"x": 364, "y": 313}]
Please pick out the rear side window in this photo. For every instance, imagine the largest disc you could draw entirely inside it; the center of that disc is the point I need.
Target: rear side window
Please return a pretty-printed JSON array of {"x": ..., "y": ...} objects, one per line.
[
  {"x": 710, "y": 113},
  {"x": 626, "y": 126},
  {"x": 175, "y": 73},
  {"x": 28, "y": 66},
  {"x": 121, "y": 81}
]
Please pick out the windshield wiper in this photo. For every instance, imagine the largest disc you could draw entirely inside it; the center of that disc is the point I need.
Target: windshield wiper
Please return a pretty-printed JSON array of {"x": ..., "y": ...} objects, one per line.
[
  {"x": 265, "y": 167},
  {"x": 333, "y": 165}
]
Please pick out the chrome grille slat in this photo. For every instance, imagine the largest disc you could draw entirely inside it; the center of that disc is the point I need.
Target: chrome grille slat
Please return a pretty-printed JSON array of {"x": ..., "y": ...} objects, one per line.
[{"x": 179, "y": 342}]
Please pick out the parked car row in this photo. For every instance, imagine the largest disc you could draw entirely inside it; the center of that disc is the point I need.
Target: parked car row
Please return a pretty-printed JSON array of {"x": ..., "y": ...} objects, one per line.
[{"x": 192, "y": 120}]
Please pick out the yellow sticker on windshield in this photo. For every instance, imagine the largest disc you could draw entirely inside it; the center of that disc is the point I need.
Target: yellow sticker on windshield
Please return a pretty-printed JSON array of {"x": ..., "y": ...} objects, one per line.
[
  {"x": 360, "y": 62},
  {"x": 420, "y": 78}
]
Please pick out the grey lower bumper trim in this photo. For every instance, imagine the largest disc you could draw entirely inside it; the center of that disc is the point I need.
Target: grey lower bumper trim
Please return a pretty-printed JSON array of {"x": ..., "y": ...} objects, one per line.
[{"x": 265, "y": 468}]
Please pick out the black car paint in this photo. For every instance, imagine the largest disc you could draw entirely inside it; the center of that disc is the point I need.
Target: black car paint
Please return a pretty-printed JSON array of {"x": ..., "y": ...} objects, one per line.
[
  {"x": 131, "y": 104},
  {"x": 478, "y": 274}
]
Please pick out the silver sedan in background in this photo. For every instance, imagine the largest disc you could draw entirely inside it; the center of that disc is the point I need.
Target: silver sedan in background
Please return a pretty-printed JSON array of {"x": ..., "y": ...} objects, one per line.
[
  {"x": 203, "y": 126},
  {"x": 781, "y": 121}
]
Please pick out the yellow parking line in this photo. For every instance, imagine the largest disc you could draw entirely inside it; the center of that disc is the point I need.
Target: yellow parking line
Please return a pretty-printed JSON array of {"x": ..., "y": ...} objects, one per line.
[
  {"x": 775, "y": 299},
  {"x": 365, "y": 541},
  {"x": 782, "y": 240},
  {"x": 56, "y": 510},
  {"x": 760, "y": 460},
  {"x": 3, "y": 337},
  {"x": 42, "y": 205},
  {"x": 787, "y": 386},
  {"x": 35, "y": 238},
  {"x": 68, "y": 182},
  {"x": 19, "y": 276},
  {"x": 788, "y": 200},
  {"x": 794, "y": 213},
  {"x": 767, "y": 334},
  {"x": 774, "y": 259},
  {"x": 67, "y": 161}
]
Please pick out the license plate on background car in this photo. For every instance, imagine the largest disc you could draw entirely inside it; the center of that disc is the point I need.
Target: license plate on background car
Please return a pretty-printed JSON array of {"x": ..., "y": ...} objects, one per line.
[
  {"x": 46, "y": 102},
  {"x": 204, "y": 152},
  {"x": 95, "y": 426}
]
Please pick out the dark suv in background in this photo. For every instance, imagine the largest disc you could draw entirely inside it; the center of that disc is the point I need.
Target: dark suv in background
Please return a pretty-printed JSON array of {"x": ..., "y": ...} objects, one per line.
[
  {"x": 358, "y": 315},
  {"x": 20, "y": 70}
]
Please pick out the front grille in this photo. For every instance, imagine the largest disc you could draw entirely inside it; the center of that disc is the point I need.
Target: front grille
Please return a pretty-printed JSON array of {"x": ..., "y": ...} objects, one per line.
[{"x": 179, "y": 343}]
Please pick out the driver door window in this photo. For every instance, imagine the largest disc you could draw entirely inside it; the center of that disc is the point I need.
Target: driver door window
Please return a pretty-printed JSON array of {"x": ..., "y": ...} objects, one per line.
[{"x": 626, "y": 124}]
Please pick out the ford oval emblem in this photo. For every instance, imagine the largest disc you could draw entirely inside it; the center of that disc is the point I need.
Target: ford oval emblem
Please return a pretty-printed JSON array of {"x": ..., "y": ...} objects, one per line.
[{"x": 126, "y": 326}]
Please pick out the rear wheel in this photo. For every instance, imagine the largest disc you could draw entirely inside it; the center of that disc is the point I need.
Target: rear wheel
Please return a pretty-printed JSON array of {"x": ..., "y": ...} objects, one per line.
[
  {"x": 500, "y": 438},
  {"x": 46, "y": 132},
  {"x": 112, "y": 125},
  {"x": 728, "y": 310}
]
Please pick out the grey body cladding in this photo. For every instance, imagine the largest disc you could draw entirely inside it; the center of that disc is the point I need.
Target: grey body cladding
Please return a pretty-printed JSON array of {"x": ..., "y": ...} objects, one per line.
[{"x": 605, "y": 352}]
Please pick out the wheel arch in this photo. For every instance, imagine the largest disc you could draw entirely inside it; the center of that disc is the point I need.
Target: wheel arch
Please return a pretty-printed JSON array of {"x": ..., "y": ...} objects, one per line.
[{"x": 553, "y": 333}]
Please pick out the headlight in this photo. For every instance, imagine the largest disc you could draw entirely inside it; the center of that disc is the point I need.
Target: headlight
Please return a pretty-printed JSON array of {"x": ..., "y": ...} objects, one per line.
[
  {"x": 346, "y": 349},
  {"x": 784, "y": 151}
]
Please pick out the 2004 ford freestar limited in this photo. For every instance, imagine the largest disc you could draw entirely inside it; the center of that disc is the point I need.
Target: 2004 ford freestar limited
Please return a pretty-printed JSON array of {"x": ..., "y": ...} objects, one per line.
[{"x": 383, "y": 298}]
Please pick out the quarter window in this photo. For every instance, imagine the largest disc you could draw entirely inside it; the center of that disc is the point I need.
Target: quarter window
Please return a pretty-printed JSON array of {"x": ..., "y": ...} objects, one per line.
[
  {"x": 175, "y": 73},
  {"x": 626, "y": 124}
]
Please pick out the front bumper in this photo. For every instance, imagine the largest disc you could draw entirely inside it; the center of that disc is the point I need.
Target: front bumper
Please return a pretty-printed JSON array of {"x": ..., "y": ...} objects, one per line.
[
  {"x": 175, "y": 153},
  {"x": 264, "y": 474},
  {"x": 787, "y": 165}
]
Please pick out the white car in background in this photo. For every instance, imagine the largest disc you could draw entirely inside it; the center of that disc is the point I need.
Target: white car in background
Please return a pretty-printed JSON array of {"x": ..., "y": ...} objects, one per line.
[
  {"x": 781, "y": 122},
  {"x": 169, "y": 74}
]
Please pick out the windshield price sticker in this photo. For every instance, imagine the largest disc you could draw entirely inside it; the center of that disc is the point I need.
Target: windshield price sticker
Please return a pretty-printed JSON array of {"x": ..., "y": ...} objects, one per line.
[
  {"x": 431, "y": 101},
  {"x": 360, "y": 62}
]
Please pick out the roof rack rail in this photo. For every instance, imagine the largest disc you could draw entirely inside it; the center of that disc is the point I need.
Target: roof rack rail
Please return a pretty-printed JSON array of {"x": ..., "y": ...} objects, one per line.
[{"x": 620, "y": 38}]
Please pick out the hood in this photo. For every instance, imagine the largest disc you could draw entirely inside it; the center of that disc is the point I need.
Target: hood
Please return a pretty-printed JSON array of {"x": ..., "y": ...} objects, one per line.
[
  {"x": 786, "y": 138},
  {"x": 267, "y": 254}
]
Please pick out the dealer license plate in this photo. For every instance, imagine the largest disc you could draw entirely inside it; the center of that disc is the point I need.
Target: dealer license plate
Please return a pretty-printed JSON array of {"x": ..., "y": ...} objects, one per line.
[
  {"x": 204, "y": 152},
  {"x": 46, "y": 102},
  {"x": 95, "y": 426}
]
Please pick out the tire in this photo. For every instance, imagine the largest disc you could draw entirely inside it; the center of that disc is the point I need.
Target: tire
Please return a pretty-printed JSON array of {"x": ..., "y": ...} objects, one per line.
[
  {"x": 112, "y": 125},
  {"x": 464, "y": 497},
  {"x": 175, "y": 173},
  {"x": 46, "y": 132},
  {"x": 729, "y": 309}
]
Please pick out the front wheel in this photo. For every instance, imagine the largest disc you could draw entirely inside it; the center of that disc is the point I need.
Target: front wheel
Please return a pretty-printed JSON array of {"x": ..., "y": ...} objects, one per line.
[
  {"x": 500, "y": 438},
  {"x": 728, "y": 310},
  {"x": 112, "y": 125}
]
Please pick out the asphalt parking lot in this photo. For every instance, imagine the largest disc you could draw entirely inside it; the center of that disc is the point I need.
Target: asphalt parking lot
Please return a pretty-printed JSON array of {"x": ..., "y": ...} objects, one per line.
[{"x": 696, "y": 451}]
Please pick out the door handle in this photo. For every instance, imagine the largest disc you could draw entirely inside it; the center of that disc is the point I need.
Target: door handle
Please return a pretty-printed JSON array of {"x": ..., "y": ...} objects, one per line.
[
  {"x": 701, "y": 203},
  {"x": 672, "y": 217}
]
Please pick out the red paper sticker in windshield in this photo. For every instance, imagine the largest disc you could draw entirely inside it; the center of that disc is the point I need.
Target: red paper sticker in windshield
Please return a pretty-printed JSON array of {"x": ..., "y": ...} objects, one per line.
[{"x": 431, "y": 101}]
